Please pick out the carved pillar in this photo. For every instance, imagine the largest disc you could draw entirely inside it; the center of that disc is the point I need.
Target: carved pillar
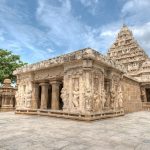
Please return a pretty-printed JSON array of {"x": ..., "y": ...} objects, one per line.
[
  {"x": 11, "y": 101},
  {"x": 44, "y": 95},
  {"x": 35, "y": 95},
  {"x": 3, "y": 100},
  {"x": 55, "y": 95}
]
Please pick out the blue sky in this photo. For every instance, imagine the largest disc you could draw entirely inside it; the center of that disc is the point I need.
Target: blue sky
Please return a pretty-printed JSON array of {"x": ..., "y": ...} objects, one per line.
[{"x": 41, "y": 29}]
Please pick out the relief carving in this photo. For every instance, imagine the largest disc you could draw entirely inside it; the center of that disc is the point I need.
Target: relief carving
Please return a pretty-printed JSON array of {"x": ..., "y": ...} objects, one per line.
[
  {"x": 143, "y": 94},
  {"x": 112, "y": 98},
  {"x": 88, "y": 100},
  {"x": 103, "y": 99},
  {"x": 96, "y": 101},
  {"x": 65, "y": 96},
  {"x": 75, "y": 100},
  {"x": 120, "y": 99}
]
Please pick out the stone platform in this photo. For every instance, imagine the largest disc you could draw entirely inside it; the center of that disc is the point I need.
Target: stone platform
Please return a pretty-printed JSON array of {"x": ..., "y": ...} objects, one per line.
[
  {"x": 6, "y": 109},
  {"x": 146, "y": 106},
  {"x": 29, "y": 132},
  {"x": 75, "y": 116}
]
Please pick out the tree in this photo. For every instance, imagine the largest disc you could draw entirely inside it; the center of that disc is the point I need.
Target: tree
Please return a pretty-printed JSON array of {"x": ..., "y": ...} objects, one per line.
[{"x": 8, "y": 63}]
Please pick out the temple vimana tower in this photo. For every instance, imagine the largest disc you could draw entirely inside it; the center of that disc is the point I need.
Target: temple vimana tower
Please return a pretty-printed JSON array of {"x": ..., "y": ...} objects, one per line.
[
  {"x": 87, "y": 85},
  {"x": 127, "y": 51}
]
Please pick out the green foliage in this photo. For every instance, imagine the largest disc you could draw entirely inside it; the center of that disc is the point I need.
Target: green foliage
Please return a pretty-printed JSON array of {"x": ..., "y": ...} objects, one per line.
[{"x": 8, "y": 63}]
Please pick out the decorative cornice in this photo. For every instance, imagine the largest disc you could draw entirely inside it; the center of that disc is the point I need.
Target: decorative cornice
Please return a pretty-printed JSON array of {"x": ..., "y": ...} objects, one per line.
[{"x": 82, "y": 54}]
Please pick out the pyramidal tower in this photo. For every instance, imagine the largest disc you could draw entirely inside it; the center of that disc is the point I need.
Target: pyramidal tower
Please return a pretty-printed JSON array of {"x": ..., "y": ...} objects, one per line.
[{"x": 127, "y": 51}]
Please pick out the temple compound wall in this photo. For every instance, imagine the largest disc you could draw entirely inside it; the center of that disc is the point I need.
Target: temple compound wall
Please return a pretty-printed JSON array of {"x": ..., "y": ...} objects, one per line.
[
  {"x": 7, "y": 96},
  {"x": 131, "y": 95},
  {"x": 82, "y": 85}
]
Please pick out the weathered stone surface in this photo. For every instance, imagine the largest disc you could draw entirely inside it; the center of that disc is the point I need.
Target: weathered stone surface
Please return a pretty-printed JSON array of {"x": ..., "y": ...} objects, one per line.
[
  {"x": 20, "y": 132},
  {"x": 87, "y": 53},
  {"x": 74, "y": 86},
  {"x": 127, "y": 51},
  {"x": 131, "y": 95},
  {"x": 86, "y": 82},
  {"x": 7, "y": 96}
]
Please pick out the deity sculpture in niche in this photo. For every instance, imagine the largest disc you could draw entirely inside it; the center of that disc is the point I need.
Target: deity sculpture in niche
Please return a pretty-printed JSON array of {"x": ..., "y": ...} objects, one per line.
[
  {"x": 96, "y": 101},
  {"x": 64, "y": 96},
  {"x": 143, "y": 95},
  {"x": 75, "y": 100},
  {"x": 107, "y": 97},
  {"x": 96, "y": 84},
  {"x": 103, "y": 99},
  {"x": 112, "y": 98},
  {"x": 120, "y": 98},
  {"x": 17, "y": 99},
  {"x": 88, "y": 100},
  {"x": 28, "y": 97},
  {"x": 23, "y": 102}
]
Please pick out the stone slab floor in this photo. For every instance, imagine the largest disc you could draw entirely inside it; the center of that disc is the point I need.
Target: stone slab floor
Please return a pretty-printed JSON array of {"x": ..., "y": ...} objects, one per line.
[{"x": 22, "y": 132}]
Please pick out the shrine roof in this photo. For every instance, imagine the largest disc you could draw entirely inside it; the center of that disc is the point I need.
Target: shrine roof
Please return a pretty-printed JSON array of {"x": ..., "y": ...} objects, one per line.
[{"x": 87, "y": 53}]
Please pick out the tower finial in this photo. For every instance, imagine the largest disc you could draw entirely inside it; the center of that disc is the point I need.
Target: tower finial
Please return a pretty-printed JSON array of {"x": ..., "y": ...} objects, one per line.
[{"x": 123, "y": 21}]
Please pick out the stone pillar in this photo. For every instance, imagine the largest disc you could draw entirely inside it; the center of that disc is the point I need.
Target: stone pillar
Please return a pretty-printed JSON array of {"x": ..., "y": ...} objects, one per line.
[
  {"x": 35, "y": 96},
  {"x": 11, "y": 101},
  {"x": 55, "y": 95},
  {"x": 3, "y": 100},
  {"x": 44, "y": 95}
]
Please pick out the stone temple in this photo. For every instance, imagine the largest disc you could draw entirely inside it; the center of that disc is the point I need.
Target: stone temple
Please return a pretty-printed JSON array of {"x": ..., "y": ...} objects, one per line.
[
  {"x": 87, "y": 85},
  {"x": 7, "y": 96}
]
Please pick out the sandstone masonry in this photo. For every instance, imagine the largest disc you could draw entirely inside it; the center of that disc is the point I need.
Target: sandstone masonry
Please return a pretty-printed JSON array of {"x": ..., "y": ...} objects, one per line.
[{"x": 85, "y": 84}]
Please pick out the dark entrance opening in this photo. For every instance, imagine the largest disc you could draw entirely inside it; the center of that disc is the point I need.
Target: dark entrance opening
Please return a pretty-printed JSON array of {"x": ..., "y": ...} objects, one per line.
[
  {"x": 39, "y": 99},
  {"x": 60, "y": 100},
  {"x": 107, "y": 84},
  {"x": 49, "y": 97},
  {"x": 14, "y": 102},
  {"x": 148, "y": 95},
  {"x": 0, "y": 101}
]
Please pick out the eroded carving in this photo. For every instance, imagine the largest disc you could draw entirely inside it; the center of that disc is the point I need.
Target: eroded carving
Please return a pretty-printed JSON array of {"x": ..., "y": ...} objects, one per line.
[{"x": 65, "y": 98}]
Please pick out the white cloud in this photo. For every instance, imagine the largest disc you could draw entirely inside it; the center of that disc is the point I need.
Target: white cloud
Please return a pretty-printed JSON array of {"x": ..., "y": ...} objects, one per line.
[
  {"x": 67, "y": 31},
  {"x": 142, "y": 34},
  {"x": 50, "y": 50},
  {"x": 135, "y": 6},
  {"x": 91, "y": 5},
  {"x": 88, "y": 3},
  {"x": 62, "y": 26},
  {"x": 22, "y": 38},
  {"x": 136, "y": 14},
  {"x": 2, "y": 35},
  {"x": 136, "y": 11},
  {"x": 62, "y": 31}
]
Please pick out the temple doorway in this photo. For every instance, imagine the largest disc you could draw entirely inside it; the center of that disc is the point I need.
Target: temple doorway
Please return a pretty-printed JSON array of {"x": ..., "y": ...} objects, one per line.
[
  {"x": 49, "y": 97},
  {"x": 14, "y": 102},
  {"x": 148, "y": 94},
  {"x": 0, "y": 102},
  {"x": 39, "y": 99},
  {"x": 60, "y": 99}
]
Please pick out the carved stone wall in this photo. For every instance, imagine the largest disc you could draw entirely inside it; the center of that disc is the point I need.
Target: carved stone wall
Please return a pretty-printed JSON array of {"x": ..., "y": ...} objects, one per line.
[
  {"x": 81, "y": 75},
  {"x": 47, "y": 74},
  {"x": 131, "y": 95},
  {"x": 84, "y": 91},
  {"x": 116, "y": 94},
  {"x": 25, "y": 84},
  {"x": 24, "y": 92}
]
